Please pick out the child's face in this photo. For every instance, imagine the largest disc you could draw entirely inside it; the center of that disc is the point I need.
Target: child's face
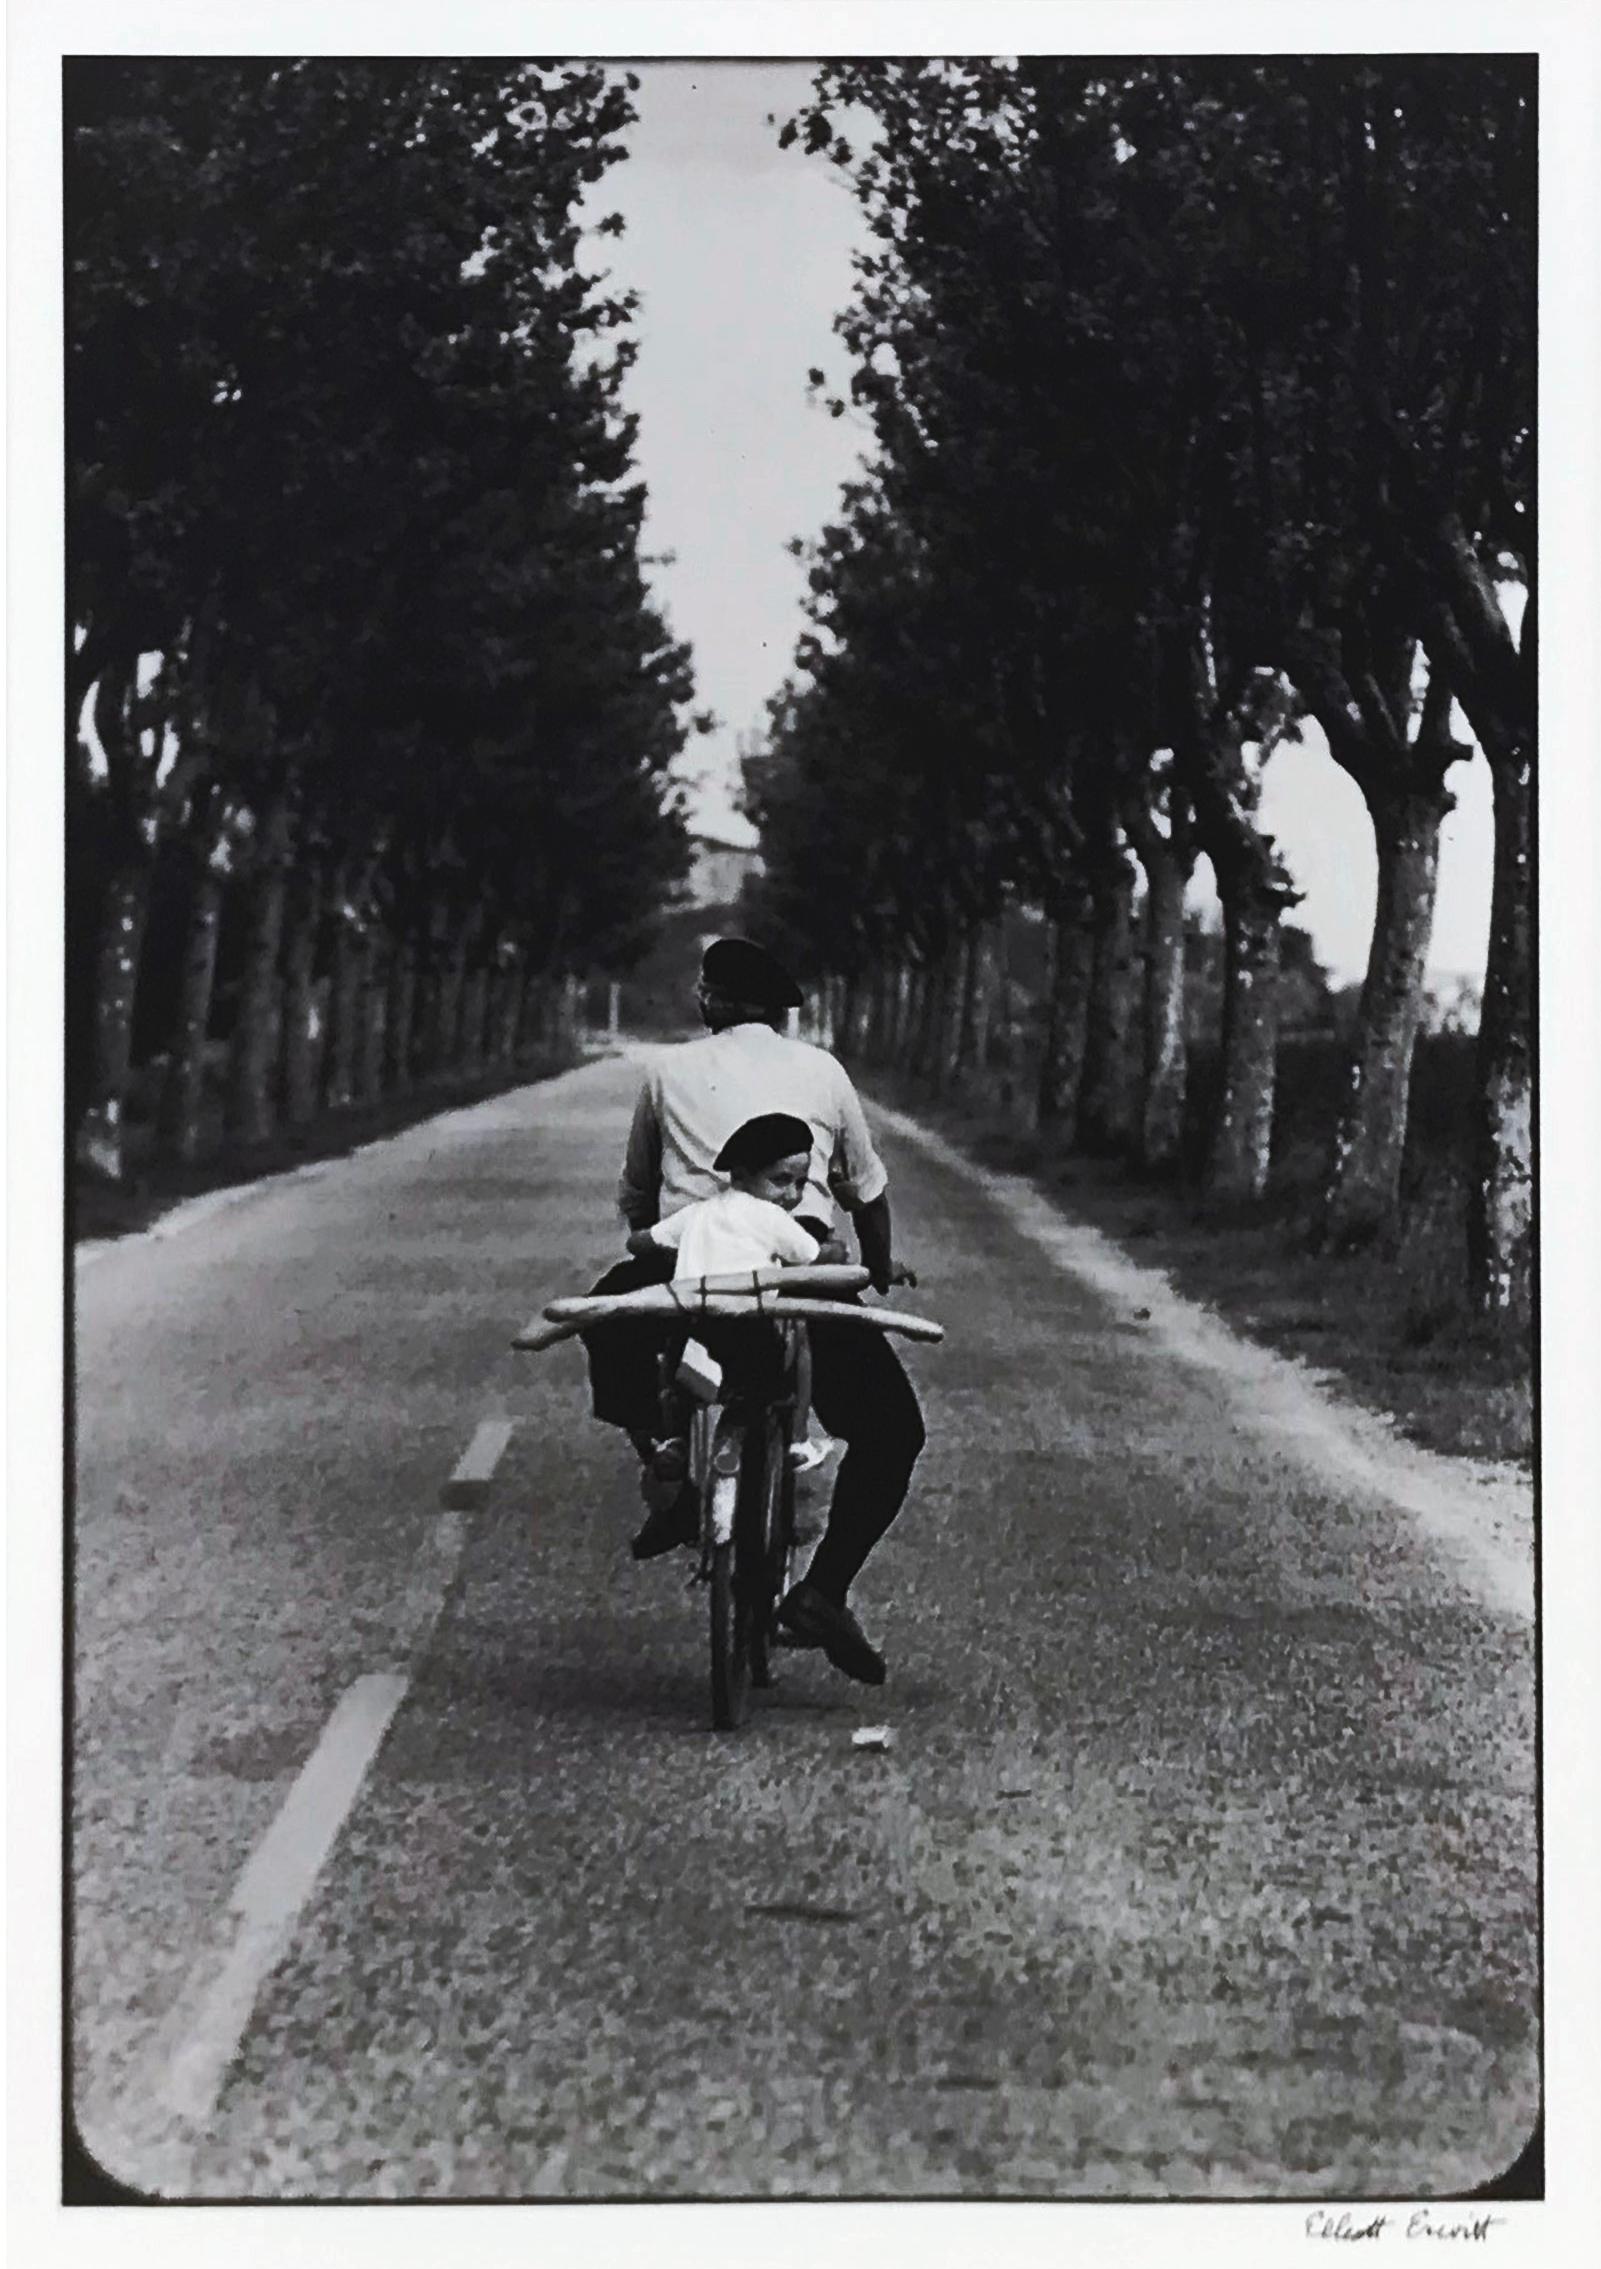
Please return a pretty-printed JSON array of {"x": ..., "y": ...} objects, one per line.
[{"x": 781, "y": 1183}]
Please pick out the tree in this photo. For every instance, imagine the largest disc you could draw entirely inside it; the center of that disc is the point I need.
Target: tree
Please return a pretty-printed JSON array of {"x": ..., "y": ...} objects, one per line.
[
  {"x": 348, "y": 460},
  {"x": 1227, "y": 365}
]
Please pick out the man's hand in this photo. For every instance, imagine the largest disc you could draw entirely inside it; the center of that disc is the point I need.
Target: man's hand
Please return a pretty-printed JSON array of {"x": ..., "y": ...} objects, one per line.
[
  {"x": 877, "y": 1243},
  {"x": 878, "y": 1246}
]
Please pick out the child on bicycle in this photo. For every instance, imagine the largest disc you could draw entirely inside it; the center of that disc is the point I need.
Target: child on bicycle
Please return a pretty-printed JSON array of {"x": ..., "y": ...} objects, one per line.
[{"x": 749, "y": 1225}]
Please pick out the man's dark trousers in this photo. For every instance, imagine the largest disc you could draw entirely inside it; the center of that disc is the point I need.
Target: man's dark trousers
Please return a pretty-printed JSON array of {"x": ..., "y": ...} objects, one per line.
[{"x": 860, "y": 1392}]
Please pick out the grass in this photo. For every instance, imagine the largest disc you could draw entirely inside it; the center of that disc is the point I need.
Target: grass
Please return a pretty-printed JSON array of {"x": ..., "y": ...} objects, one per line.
[{"x": 1391, "y": 1324}]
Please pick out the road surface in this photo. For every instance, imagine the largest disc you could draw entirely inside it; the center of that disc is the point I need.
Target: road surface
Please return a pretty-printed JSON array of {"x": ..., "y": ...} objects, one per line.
[{"x": 1202, "y": 1862}]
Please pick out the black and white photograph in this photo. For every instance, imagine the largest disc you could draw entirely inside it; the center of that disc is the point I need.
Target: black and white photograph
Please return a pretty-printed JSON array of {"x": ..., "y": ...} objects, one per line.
[{"x": 807, "y": 1191}]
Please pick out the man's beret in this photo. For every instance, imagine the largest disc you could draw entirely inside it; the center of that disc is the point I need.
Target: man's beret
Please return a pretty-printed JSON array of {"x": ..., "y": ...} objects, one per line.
[{"x": 741, "y": 971}]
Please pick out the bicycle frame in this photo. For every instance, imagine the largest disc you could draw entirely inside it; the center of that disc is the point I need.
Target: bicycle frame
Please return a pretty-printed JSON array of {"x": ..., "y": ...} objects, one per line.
[{"x": 718, "y": 1430}]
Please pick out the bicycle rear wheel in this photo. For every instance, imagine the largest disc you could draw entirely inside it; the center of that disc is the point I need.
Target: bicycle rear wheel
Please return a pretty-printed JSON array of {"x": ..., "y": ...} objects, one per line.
[{"x": 731, "y": 1664}]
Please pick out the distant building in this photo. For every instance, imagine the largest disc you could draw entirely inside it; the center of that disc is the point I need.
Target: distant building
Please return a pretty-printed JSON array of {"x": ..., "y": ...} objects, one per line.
[
  {"x": 1453, "y": 1004},
  {"x": 718, "y": 870}
]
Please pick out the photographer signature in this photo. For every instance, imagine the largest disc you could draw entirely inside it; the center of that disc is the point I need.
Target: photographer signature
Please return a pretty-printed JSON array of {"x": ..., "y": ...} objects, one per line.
[{"x": 1422, "y": 2222}]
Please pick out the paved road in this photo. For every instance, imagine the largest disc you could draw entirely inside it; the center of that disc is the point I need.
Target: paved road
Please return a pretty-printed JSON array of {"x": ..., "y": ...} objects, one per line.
[{"x": 1203, "y": 1862}]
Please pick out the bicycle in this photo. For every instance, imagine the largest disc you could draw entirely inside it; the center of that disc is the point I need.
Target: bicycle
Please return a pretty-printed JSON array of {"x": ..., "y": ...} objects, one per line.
[
  {"x": 739, "y": 1464},
  {"x": 744, "y": 1480}
]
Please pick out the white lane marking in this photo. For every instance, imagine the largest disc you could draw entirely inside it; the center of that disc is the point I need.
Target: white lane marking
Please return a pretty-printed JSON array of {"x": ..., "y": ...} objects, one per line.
[
  {"x": 475, "y": 1468},
  {"x": 1482, "y": 1513},
  {"x": 198, "y": 2043},
  {"x": 432, "y": 1574},
  {"x": 220, "y": 1995}
]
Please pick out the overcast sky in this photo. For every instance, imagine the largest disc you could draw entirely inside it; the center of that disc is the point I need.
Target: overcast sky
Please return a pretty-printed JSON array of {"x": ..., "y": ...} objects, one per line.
[{"x": 741, "y": 254}]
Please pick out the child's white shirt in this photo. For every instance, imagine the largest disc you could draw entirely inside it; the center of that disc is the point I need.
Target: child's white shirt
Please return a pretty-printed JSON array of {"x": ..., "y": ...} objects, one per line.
[{"x": 733, "y": 1230}]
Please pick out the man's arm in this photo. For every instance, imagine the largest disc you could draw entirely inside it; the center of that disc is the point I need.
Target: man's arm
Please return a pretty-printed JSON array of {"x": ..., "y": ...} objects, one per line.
[
  {"x": 856, "y": 1172},
  {"x": 639, "y": 1190},
  {"x": 861, "y": 1185},
  {"x": 876, "y": 1238}
]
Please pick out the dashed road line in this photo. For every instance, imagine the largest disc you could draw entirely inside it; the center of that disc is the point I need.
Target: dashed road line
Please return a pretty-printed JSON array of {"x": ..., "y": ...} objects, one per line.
[
  {"x": 432, "y": 1575},
  {"x": 206, "y": 2030},
  {"x": 468, "y": 1486},
  {"x": 188, "y": 2063}
]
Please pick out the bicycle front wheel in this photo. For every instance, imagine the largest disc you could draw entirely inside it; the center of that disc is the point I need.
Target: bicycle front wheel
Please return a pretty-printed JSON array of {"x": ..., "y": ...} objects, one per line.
[{"x": 765, "y": 1543}]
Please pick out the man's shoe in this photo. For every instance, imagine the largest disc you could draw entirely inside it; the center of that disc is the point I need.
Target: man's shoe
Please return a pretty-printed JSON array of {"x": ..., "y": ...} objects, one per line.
[
  {"x": 820, "y": 1622},
  {"x": 661, "y": 1477},
  {"x": 668, "y": 1526}
]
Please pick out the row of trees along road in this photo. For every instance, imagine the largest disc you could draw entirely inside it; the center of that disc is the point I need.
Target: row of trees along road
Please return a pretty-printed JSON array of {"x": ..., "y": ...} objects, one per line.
[
  {"x": 364, "y": 673},
  {"x": 1202, "y": 399}
]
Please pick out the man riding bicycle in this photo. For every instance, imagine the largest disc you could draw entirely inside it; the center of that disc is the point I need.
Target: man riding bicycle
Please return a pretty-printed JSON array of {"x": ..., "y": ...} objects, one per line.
[{"x": 694, "y": 1098}]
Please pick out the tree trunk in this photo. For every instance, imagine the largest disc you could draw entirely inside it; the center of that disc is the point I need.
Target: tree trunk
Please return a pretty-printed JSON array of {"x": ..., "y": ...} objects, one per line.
[
  {"x": 1106, "y": 1089},
  {"x": 957, "y": 1034},
  {"x": 878, "y": 1039},
  {"x": 438, "y": 996},
  {"x": 1501, "y": 1192},
  {"x": 1254, "y": 891},
  {"x": 508, "y": 1008},
  {"x": 344, "y": 1007},
  {"x": 906, "y": 1005},
  {"x": 945, "y": 1064},
  {"x": 1067, "y": 1016},
  {"x": 1165, "y": 1063},
  {"x": 931, "y": 1002},
  {"x": 819, "y": 1012},
  {"x": 1005, "y": 1052},
  {"x": 99, "y": 1142},
  {"x": 984, "y": 982},
  {"x": 838, "y": 1004},
  {"x": 181, "y": 1126},
  {"x": 474, "y": 1002},
  {"x": 400, "y": 1011},
  {"x": 374, "y": 997},
  {"x": 445, "y": 1047},
  {"x": 1237, "y": 1161},
  {"x": 249, "y": 1113},
  {"x": 1365, "y": 1183},
  {"x": 534, "y": 1022},
  {"x": 569, "y": 1016},
  {"x": 301, "y": 1016}
]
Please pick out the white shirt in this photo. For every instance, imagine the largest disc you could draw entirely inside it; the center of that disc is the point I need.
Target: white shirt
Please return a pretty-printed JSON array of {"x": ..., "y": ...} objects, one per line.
[
  {"x": 733, "y": 1230},
  {"x": 696, "y": 1094}
]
